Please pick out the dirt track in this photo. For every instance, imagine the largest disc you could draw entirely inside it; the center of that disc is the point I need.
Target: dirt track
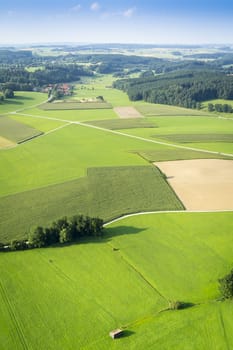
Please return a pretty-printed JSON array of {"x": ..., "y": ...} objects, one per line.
[{"x": 201, "y": 184}]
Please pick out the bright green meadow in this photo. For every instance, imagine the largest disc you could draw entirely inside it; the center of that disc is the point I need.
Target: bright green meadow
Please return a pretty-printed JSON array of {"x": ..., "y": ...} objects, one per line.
[
  {"x": 91, "y": 162},
  {"x": 123, "y": 280}
]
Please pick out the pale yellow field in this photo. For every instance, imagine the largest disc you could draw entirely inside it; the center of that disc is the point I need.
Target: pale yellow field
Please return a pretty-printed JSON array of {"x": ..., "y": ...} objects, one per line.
[
  {"x": 5, "y": 143},
  {"x": 127, "y": 112},
  {"x": 201, "y": 184}
]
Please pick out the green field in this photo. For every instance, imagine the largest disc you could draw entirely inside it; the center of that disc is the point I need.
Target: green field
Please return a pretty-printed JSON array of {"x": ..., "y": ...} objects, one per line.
[
  {"x": 183, "y": 126},
  {"x": 42, "y": 124},
  {"x": 151, "y": 109},
  {"x": 118, "y": 124},
  {"x": 75, "y": 115},
  {"x": 21, "y": 100},
  {"x": 177, "y": 154},
  {"x": 88, "y": 289},
  {"x": 16, "y": 131},
  {"x": 75, "y": 105},
  {"x": 70, "y": 297},
  {"x": 105, "y": 192},
  {"x": 65, "y": 155},
  {"x": 190, "y": 138}
]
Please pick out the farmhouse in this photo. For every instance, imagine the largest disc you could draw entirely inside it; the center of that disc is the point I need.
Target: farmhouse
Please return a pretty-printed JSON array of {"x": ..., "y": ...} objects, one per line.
[{"x": 117, "y": 333}]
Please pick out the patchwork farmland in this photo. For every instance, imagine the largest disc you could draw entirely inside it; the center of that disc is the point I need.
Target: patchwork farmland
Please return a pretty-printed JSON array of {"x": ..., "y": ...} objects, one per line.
[{"x": 92, "y": 162}]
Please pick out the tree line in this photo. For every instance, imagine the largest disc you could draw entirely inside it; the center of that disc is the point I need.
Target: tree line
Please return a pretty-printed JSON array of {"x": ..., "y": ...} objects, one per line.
[
  {"x": 182, "y": 88},
  {"x": 64, "y": 230},
  {"x": 19, "y": 78},
  {"x": 221, "y": 108}
]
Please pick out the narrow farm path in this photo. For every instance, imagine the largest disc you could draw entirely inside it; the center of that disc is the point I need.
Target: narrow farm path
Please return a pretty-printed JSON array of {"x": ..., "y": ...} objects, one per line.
[{"x": 126, "y": 135}]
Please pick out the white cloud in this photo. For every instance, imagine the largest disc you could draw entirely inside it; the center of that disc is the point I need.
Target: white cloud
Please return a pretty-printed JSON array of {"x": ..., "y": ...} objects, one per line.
[
  {"x": 129, "y": 12},
  {"x": 76, "y": 8},
  {"x": 95, "y": 6}
]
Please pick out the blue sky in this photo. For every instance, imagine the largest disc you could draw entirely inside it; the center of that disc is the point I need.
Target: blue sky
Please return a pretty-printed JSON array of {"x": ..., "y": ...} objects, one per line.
[{"x": 127, "y": 21}]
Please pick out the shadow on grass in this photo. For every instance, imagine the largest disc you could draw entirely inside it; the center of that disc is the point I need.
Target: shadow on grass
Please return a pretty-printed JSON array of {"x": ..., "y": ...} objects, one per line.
[
  {"x": 126, "y": 333},
  {"x": 23, "y": 98},
  {"x": 108, "y": 234},
  {"x": 12, "y": 102},
  {"x": 185, "y": 305}
]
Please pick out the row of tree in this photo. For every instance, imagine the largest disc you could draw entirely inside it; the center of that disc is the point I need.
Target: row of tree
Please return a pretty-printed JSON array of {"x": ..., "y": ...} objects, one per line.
[
  {"x": 183, "y": 88},
  {"x": 64, "y": 230},
  {"x": 218, "y": 107}
]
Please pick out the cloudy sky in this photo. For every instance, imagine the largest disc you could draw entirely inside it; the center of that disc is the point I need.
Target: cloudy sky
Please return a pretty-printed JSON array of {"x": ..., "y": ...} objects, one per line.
[{"x": 125, "y": 21}]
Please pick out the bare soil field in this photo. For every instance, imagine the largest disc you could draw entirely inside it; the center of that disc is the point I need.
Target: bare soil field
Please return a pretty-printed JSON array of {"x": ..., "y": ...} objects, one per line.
[
  {"x": 201, "y": 184},
  {"x": 127, "y": 112},
  {"x": 5, "y": 143}
]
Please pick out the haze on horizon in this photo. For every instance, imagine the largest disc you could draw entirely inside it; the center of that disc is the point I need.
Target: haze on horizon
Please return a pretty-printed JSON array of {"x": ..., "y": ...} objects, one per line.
[{"x": 124, "y": 21}]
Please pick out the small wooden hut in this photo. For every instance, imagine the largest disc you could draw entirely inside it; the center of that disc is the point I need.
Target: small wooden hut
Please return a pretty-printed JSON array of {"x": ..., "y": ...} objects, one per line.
[{"x": 116, "y": 333}]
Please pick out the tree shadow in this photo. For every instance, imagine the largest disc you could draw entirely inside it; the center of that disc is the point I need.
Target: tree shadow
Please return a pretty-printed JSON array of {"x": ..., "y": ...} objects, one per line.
[
  {"x": 12, "y": 102},
  {"x": 186, "y": 305},
  {"x": 111, "y": 232},
  {"x": 108, "y": 234},
  {"x": 23, "y": 98}
]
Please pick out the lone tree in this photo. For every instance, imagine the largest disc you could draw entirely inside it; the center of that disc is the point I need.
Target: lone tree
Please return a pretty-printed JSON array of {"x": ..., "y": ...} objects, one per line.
[
  {"x": 226, "y": 286},
  {"x": 8, "y": 93}
]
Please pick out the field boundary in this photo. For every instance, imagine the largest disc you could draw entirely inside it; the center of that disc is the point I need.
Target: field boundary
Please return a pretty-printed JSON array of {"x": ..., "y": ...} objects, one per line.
[
  {"x": 127, "y": 135},
  {"x": 165, "y": 212}
]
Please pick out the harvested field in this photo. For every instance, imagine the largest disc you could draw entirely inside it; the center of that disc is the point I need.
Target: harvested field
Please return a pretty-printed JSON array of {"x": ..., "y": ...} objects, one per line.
[
  {"x": 5, "y": 143},
  {"x": 205, "y": 184},
  {"x": 127, "y": 112}
]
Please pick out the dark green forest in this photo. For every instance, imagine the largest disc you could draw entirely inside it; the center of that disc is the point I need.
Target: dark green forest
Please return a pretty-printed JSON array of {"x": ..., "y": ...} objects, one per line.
[{"x": 182, "y": 88}]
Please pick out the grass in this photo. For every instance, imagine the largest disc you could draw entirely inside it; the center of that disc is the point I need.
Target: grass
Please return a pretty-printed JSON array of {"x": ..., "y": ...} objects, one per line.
[
  {"x": 190, "y": 138},
  {"x": 218, "y": 101},
  {"x": 180, "y": 240},
  {"x": 151, "y": 109},
  {"x": 118, "y": 124},
  {"x": 75, "y": 295},
  {"x": 44, "y": 125},
  {"x": 63, "y": 308},
  {"x": 75, "y": 105},
  {"x": 75, "y": 115},
  {"x": 66, "y": 155},
  {"x": 106, "y": 192},
  {"x": 190, "y": 125},
  {"x": 16, "y": 131},
  {"x": 22, "y": 99},
  {"x": 101, "y": 86},
  {"x": 177, "y": 154},
  {"x": 187, "y": 125},
  {"x": 156, "y": 257}
]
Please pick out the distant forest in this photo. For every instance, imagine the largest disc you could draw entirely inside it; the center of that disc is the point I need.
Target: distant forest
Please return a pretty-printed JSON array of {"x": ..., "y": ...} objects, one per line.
[
  {"x": 176, "y": 82},
  {"x": 182, "y": 88}
]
